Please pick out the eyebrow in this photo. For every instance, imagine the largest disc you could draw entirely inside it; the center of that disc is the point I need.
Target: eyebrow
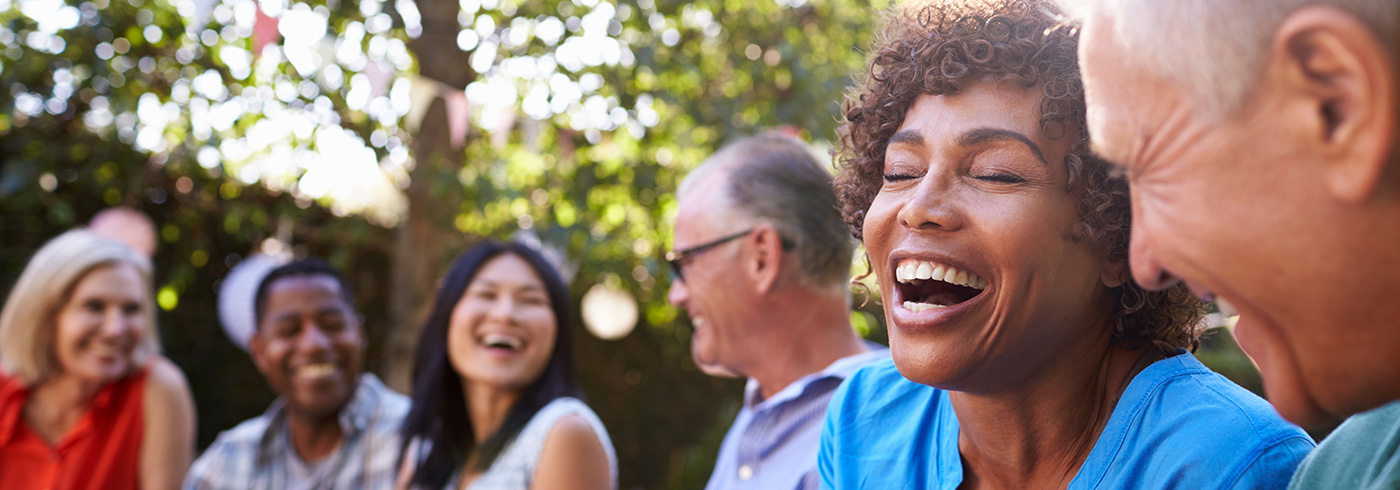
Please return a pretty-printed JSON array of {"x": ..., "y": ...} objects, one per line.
[
  {"x": 907, "y": 137},
  {"x": 984, "y": 135},
  {"x": 297, "y": 314},
  {"x": 490, "y": 283}
]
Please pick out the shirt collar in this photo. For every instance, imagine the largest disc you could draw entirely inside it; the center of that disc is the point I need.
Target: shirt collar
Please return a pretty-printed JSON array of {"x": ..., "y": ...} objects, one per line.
[
  {"x": 353, "y": 418},
  {"x": 840, "y": 369}
]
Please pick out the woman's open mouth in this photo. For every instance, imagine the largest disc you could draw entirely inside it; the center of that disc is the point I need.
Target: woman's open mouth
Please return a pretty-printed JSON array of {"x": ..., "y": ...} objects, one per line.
[{"x": 925, "y": 285}]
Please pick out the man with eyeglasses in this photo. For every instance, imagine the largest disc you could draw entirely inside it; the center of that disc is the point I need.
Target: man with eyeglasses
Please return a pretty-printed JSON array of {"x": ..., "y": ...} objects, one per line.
[{"x": 761, "y": 265}]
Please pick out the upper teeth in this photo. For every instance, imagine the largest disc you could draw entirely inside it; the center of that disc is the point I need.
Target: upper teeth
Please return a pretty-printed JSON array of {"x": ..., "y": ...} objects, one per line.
[
  {"x": 493, "y": 339},
  {"x": 910, "y": 270},
  {"x": 316, "y": 370}
]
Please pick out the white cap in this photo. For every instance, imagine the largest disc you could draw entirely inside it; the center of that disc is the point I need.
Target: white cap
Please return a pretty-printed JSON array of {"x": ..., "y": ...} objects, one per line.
[{"x": 237, "y": 296}]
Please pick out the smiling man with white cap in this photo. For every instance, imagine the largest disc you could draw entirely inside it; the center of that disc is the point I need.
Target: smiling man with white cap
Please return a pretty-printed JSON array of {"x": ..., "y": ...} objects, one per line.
[{"x": 333, "y": 426}]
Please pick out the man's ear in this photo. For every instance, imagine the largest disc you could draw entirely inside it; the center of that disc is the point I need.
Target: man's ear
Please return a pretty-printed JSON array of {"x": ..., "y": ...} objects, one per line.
[
  {"x": 255, "y": 350},
  {"x": 768, "y": 257},
  {"x": 1348, "y": 73},
  {"x": 1114, "y": 274}
]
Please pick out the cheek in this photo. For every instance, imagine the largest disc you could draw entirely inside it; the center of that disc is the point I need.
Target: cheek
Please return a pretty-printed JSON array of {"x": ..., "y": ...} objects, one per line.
[
  {"x": 545, "y": 329},
  {"x": 136, "y": 325},
  {"x": 459, "y": 341},
  {"x": 876, "y": 230},
  {"x": 71, "y": 328},
  {"x": 462, "y": 322}
]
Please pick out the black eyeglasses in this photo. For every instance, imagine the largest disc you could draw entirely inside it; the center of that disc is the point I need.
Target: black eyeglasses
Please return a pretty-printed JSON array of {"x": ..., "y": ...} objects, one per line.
[{"x": 677, "y": 257}]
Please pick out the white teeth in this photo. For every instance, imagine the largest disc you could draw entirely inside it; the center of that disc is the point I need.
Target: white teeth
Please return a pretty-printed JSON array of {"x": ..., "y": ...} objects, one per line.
[
  {"x": 924, "y": 271},
  {"x": 501, "y": 340},
  {"x": 318, "y": 370},
  {"x": 918, "y": 307},
  {"x": 910, "y": 270}
]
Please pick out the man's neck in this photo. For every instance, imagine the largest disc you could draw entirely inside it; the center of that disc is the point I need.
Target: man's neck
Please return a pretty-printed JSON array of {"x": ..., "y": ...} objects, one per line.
[
  {"x": 1038, "y": 434},
  {"x": 811, "y": 331},
  {"x": 314, "y": 437}
]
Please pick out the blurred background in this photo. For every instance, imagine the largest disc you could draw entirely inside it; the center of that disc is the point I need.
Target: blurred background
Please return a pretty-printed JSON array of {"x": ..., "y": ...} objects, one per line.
[{"x": 387, "y": 136}]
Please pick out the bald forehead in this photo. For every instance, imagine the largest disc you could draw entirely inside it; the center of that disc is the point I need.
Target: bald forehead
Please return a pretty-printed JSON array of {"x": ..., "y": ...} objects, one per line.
[
  {"x": 702, "y": 197},
  {"x": 711, "y": 171}
]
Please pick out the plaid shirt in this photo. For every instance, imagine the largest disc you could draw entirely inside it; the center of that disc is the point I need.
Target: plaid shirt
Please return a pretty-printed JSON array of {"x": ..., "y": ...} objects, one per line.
[{"x": 253, "y": 455}]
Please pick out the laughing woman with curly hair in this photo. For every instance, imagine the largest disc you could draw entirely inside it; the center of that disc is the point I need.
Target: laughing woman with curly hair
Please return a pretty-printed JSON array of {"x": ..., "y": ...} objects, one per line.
[{"x": 1022, "y": 356}]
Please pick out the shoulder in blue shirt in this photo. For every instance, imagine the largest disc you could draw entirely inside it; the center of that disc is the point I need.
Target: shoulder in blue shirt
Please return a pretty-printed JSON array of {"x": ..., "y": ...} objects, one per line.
[{"x": 1177, "y": 425}]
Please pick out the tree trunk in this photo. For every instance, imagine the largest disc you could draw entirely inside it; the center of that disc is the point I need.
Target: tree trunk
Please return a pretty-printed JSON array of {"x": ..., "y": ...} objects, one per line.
[{"x": 424, "y": 242}]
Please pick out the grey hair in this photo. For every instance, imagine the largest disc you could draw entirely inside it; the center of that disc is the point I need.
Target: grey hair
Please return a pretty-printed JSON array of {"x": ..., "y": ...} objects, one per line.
[
  {"x": 776, "y": 179},
  {"x": 1217, "y": 49}
]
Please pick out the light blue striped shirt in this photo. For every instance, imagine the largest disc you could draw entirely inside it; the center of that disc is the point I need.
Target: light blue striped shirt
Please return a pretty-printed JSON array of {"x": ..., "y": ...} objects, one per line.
[
  {"x": 254, "y": 454},
  {"x": 773, "y": 443}
]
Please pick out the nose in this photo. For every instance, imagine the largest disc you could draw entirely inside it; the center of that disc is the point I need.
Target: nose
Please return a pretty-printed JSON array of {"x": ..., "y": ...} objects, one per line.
[
  {"x": 1147, "y": 270},
  {"x": 502, "y": 310},
  {"x": 312, "y": 338},
  {"x": 678, "y": 293},
  {"x": 116, "y": 322},
  {"x": 931, "y": 206}
]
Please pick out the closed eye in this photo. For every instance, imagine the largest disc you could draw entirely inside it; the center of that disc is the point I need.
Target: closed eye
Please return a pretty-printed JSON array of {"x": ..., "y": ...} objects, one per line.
[
  {"x": 1001, "y": 178},
  {"x": 896, "y": 176}
]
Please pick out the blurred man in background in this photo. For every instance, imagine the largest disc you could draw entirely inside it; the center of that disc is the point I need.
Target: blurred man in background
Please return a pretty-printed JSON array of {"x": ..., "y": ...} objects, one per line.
[
  {"x": 1258, "y": 138},
  {"x": 761, "y": 265},
  {"x": 128, "y": 226},
  {"x": 333, "y": 425}
]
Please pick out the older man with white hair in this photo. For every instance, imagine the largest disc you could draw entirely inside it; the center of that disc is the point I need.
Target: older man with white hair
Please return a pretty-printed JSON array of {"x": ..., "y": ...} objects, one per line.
[
  {"x": 1258, "y": 137},
  {"x": 761, "y": 267}
]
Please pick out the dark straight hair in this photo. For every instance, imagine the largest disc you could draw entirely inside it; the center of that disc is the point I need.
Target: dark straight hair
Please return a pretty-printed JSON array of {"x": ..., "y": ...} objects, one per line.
[{"x": 438, "y": 419}]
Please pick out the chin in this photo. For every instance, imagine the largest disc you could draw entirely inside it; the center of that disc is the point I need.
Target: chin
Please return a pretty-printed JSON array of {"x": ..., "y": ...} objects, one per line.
[
  {"x": 921, "y": 364},
  {"x": 1295, "y": 406},
  {"x": 323, "y": 408},
  {"x": 102, "y": 374}
]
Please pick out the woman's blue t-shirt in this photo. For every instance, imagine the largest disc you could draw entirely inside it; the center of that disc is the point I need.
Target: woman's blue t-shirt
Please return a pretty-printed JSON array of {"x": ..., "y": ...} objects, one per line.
[{"x": 1177, "y": 425}]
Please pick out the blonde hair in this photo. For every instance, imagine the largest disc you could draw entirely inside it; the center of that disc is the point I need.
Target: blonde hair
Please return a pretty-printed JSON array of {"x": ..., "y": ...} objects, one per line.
[
  {"x": 1216, "y": 48},
  {"x": 27, "y": 322}
]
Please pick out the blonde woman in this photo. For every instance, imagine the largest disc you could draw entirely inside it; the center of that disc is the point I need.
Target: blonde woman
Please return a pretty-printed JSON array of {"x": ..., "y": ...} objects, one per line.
[{"x": 86, "y": 401}]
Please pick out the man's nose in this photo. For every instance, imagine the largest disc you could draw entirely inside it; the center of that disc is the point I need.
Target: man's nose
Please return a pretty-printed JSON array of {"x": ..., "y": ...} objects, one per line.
[
  {"x": 678, "y": 293},
  {"x": 313, "y": 337},
  {"x": 1147, "y": 270}
]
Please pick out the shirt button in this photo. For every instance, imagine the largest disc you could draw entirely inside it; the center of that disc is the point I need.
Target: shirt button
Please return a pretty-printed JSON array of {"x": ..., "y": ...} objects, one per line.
[{"x": 745, "y": 472}]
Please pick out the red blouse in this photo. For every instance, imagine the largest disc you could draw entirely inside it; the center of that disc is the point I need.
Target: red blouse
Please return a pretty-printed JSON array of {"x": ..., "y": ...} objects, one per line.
[{"x": 101, "y": 451}]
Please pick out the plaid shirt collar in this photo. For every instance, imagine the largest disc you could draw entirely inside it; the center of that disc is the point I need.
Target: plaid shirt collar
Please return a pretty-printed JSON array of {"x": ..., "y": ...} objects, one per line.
[{"x": 354, "y": 417}]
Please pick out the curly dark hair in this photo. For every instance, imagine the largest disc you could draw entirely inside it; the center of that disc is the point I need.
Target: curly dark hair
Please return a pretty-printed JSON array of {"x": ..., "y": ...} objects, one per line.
[{"x": 944, "y": 45}]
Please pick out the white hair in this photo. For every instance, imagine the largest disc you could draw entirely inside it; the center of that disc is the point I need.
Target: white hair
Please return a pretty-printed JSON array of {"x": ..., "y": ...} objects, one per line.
[
  {"x": 776, "y": 179},
  {"x": 1216, "y": 49}
]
